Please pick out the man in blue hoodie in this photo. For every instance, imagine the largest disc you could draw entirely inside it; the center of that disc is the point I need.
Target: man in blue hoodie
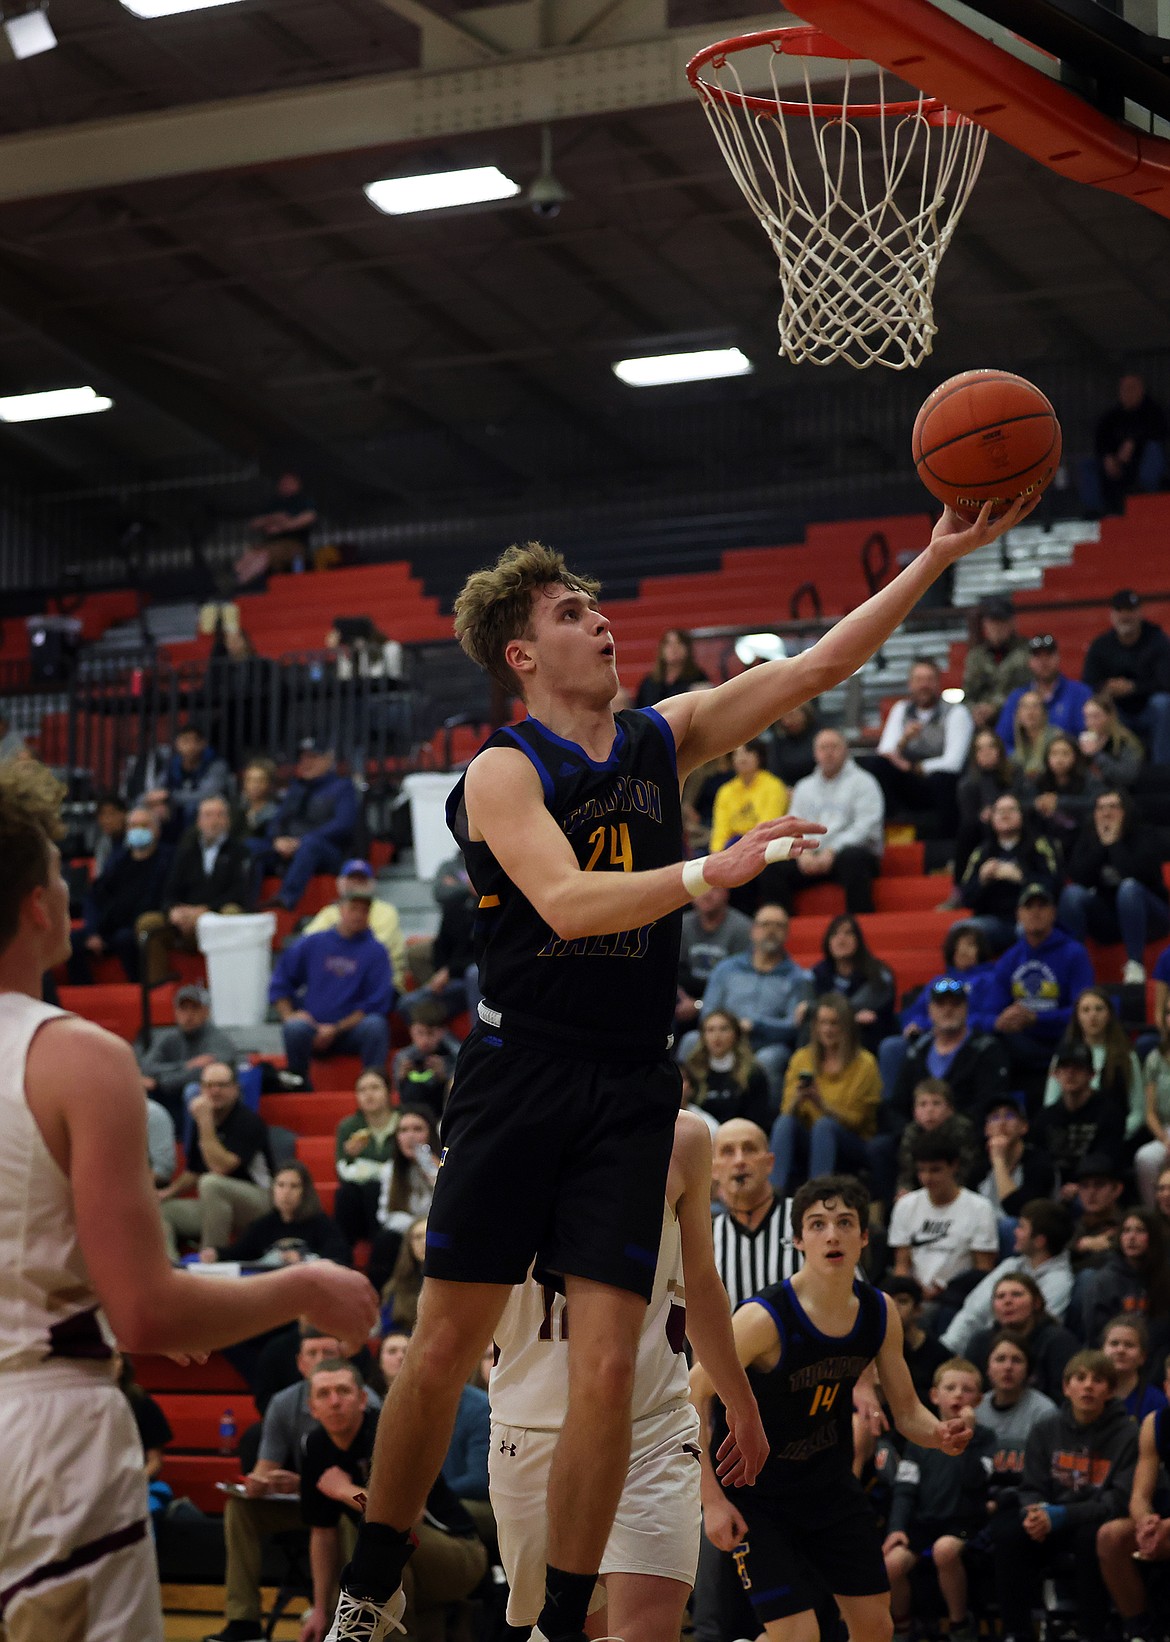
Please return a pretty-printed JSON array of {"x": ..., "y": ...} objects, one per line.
[
  {"x": 334, "y": 991},
  {"x": 313, "y": 829},
  {"x": 1036, "y": 983}
]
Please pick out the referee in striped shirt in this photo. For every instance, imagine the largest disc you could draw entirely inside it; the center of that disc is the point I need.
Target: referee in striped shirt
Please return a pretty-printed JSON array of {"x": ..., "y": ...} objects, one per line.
[{"x": 753, "y": 1237}]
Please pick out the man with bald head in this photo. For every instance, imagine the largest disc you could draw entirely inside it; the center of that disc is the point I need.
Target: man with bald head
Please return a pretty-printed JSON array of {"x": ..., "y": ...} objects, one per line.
[
  {"x": 753, "y": 1237},
  {"x": 848, "y": 801}
]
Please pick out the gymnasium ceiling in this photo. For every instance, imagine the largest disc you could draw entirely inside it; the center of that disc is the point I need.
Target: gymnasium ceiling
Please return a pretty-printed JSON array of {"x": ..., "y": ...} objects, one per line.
[{"x": 182, "y": 225}]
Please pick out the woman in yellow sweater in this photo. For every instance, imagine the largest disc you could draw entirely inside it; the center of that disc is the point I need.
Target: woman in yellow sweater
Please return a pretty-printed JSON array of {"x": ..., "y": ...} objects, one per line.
[{"x": 832, "y": 1089}]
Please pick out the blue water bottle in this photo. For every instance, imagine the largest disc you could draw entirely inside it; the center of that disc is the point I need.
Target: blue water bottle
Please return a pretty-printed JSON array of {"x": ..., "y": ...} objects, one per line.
[{"x": 227, "y": 1432}]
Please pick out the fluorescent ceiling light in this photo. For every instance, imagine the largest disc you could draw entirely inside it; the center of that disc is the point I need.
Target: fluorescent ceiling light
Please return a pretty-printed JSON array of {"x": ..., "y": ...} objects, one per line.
[
  {"x": 29, "y": 33},
  {"x": 39, "y": 407},
  {"x": 682, "y": 367},
  {"x": 399, "y": 195},
  {"x": 170, "y": 8}
]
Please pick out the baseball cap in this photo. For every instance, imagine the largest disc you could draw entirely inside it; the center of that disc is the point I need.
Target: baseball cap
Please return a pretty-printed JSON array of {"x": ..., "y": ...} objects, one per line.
[
  {"x": 357, "y": 868},
  {"x": 997, "y": 607},
  {"x": 1014, "y": 1098},
  {"x": 946, "y": 987},
  {"x": 1098, "y": 1166},
  {"x": 1035, "y": 892},
  {"x": 314, "y": 744},
  {"x": 1074, "y": 1054},
  {"x": 1125, "y": 599},
  {"x": 1041, "y": 644},
  {"x": 193, "y": 994}
]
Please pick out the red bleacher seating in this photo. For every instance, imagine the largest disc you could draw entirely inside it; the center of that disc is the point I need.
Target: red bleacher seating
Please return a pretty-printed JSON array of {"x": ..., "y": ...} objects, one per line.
[
  {"x": 308, "y": 1114},
  {"x": 194, "y": 1477},
  {"x": 194, "y": 1417},
  {"x": 156, "y": 1374},
  {"x": 316, "y": 1152},
  {"x": 119, "y": 1007}
]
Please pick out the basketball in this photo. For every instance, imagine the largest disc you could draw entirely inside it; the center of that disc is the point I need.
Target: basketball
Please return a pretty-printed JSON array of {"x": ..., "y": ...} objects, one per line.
[{"x": 986, "y": 436}]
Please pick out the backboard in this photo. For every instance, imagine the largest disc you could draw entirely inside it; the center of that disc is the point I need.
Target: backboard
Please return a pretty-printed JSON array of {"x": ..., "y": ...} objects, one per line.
[{"x": 1083, "y": 86}]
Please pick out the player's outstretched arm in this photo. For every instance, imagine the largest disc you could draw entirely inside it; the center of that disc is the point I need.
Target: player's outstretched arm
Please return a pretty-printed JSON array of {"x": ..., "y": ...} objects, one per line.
[
  {"x": 505, "y": 807},
  {"x": 913, "y": 1419},
  {"x": 715, "y": 721},
  {"x": 709, "y": 1327},
  {"x": 85, "y": 1094}
]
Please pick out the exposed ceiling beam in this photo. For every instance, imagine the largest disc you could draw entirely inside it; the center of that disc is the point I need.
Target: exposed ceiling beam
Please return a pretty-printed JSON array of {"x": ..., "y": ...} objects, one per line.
[{"x": 525, "y": 87}]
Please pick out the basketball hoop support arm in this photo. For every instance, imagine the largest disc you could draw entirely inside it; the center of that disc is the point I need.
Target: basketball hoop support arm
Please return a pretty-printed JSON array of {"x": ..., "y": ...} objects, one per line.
[{"x": 1018, "y": 103}]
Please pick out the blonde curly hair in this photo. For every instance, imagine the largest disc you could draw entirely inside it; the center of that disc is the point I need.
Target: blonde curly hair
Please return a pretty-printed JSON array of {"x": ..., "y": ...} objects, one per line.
[
  {"x": 30, "y": 820},
  {"x": 495, "y": 605}
]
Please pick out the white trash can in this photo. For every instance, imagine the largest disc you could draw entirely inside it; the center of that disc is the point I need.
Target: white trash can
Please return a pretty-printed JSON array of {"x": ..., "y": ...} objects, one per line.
[
  {"x": 238, "y": 950},
  {"x": 428, "y": 791}
]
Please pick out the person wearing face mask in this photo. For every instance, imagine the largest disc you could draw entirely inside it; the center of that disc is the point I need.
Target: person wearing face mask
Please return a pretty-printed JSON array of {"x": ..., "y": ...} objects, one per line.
[{"x": 132, "y": 885}]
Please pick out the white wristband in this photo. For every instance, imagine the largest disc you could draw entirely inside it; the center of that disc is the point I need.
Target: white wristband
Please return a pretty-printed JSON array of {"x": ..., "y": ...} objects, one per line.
[
  {"x": 778, "y": 850},
  {"x": 693, "y": 881}
]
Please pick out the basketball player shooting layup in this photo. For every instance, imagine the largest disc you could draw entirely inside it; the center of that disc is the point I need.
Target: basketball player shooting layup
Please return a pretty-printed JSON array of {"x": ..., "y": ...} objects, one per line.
[
  {"x": 557, "y": 1134},
  {"x": 649, "y": 1564},
  {"x": 807, "y": 1524},
  {"x": 80, "y": 1229}
]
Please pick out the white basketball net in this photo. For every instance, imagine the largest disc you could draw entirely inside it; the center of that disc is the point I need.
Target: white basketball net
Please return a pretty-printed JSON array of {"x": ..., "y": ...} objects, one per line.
[{"x": 860, "y": 237}]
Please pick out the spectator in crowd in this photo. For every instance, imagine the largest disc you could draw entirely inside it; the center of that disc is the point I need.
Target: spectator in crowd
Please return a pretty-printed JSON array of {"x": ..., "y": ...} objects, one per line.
[
  {"x": 450, "y": 1559},
  {"x": 752, "y": 795},
  {"x": 229, "y": 1162},
  {"x": 424, "y": 1067},
  {"x": 973, "y": 1063},
  {"x": 281, "y": 534},
  {"x": 848, "y": 801},
  {"x": 1016, "y": 1171},
  {"x": 831, "y": 1096},
  {"x": 1129, "y": 450},
  {"x": 211, "y": 872},
  {"x": 1125, "y": 1340},
  {"x": 1130, "y": 664},
  {"x": 1007, "y": 858},
  {"x": 726, "y": 1080},
  {"x": 365, "y": 1148},
  {"x": 454, "y": 982},
  {"x": 362, "y": 649},
  {"x": 132, "y": 886},
  {"x": 161, "y": 1148},
  {"x": 941, "y": 1230},
  {"x": 923, "y": 749},
  {"x": 1151, "y": 1159},
  {"x": 698, "y": 800},
  {"x": 265, "y": 1501},
  {"x": 1134, "y": 1278},
  {"x": 333, "y": 991},
  {"x": 1018, "y": 1303},
  {"x": 1030, "y": 737},
  {"x": 296, "y": 1227},
  {"x": 1042, "y": 1236},
  {"x": 390, "y": 1358},
  {"x": 923, "y": 1353},
  {"x": 762, "y": 989},
  {"x": 403, "y": 1288},
  {"x": 1094, "y": 1200},
  {"x": 154, "y": 1429},
  {"x": 1114, "y": 754},
  {"x": 996, "y": 664},
  {"x": 1116, "y": 1071},
  {"x": 385, "y": 924},
  {"x": 1060, "y": 799},
  {"x": 849, "y": 967},
  {"x": 1010, "y": 1408},
  {"x": 312, "y": 830},
  {"x": 712, "y": 929},
  {"x": 258, "y": 799},
  {"x": 1064, "y": 698},
  {"x": 179, "y": 1053},
  {"x": 935, "y": 1115},
  {"x": 675, "y": 669},
  {"x": 936, "y": 1506},
  {"x": 1082, "y": 1122},
  {"x": 111, "y": 821},
  {"x": 193, "y": 772},
  {"x": 408, "y": 1184},
  {"x": 1035, "y": 983},
  {"x": 790, "y": 754},
  {"x": 1162, "y": 1197},
  {"x": 1127, "y": 1543},
  {"x": 966, "y": 959},
  {"x": 988, "y": 776},
  {"x": 1115, "y": 889},
  {"x": 1076, "y": 1462}
]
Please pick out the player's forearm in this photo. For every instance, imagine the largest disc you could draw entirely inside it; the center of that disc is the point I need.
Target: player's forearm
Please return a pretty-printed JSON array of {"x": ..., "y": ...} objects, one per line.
[
  {"x": 325, "y": 1561},
  {"x": 710, "y": 1333},
  {"x": 702, "y": 1392},
  {"x": 184, "y": 1311},
  {"x": 918, "y": 1424},
  {"x": 603, "y": 903}
]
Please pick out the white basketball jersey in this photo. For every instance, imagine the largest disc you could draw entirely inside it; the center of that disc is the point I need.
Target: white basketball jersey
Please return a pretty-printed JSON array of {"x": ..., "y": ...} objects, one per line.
[
  {"x": 48, "y": 1307},
  {"x": 529, "y": 1384}
]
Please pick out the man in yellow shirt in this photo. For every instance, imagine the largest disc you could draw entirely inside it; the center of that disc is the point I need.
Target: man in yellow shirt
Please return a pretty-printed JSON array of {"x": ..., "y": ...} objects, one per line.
[{"x": 384, "y": 921}]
